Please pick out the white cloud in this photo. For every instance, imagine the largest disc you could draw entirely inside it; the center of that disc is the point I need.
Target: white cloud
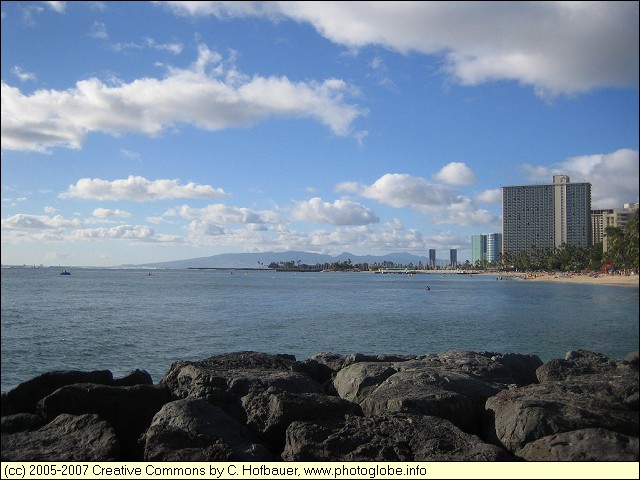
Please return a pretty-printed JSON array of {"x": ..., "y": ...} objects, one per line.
[
  {"x": 340, "y": 212},
  {"x": 613, "y": 176},
  {"x": 456, "y": 173},
  {"x": 22, "y": 75},
  {"x": 442, "y": 203},
  {"x": 219, "y": 213},
  {"x": 555, "y": 47},
  {"x": 175, "y": 48},
  {"x": 59, "y": 7},
  {"x": 125, "y": 232},
  {"x": 106, "y": 213},
  {"x": 493, "y": 196},
  {"x": 402, "y": 190},
  {"x": 207, "y": 95},
  {"x": 129, "y": 154},
  {"x": 138, "y": 189},
  {"x": 99, "y": 31},
  {"x": 23, "y": 221}
]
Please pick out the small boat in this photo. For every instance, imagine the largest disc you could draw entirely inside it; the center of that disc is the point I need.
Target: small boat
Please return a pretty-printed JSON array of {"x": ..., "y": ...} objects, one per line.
[{"x": 64, "y": 272}]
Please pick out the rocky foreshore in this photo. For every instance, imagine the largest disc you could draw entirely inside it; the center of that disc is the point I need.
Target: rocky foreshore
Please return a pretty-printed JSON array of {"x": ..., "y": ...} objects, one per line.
[{"x": 250, "y": 406}]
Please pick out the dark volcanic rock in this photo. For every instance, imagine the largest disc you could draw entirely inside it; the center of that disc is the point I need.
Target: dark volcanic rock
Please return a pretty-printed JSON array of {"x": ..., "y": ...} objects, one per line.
[
  {"x": 390, "y": 437},
  {"x": 587, "y": 445},
  {"x": 128, "y": 409},
  {"x": 265, "y": 392},
  {"x": 584, "y": 392},
  {"x": 67, "y": 438},
  {"x": 579, "y": 363},
  {"x": 269, "y": 412},
  {"x": 21, "y": 422},
  {"x": 250, "y": 406},
  {"x": 193, "y": 430},
  {"x": 222, "y": 379},
  {"x": 452, "y": 385},
  {"x": 136, "y": 377},
  {"x": 25, "y": 397}
]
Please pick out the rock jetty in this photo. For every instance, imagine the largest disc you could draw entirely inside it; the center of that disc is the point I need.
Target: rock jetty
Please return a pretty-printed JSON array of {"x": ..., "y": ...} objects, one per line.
[{"x": 251, "y": 406}]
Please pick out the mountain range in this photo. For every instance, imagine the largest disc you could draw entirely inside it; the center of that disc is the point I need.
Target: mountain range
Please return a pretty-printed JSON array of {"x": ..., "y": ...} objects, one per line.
[{"x": 262, "y": 260}]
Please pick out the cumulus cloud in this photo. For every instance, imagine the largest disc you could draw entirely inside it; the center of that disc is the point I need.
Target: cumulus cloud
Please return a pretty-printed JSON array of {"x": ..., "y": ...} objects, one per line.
[
  {"x": 106, "y": 213},
  {"x": 214, "y": 214},
  {"x": 402, "y": 190},
  {"x": 456, "y": 173},
  {"x": 493, "y": 196},
  {"x": 555, "y": 47},
  {"x": 613, "y": 176},
  {"x": 208, "y": 95},
  {"x": 23, "y": 221},
  {"x": 340, "y": 212},
  {"x": 442, "y": 203},
  {"x": 125, "y": 232},
  {"x": 138, "y": 189}
]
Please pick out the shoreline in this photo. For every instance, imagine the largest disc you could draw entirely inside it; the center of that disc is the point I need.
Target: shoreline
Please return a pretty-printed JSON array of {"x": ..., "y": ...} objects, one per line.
[{"x": 578, "y": 278}]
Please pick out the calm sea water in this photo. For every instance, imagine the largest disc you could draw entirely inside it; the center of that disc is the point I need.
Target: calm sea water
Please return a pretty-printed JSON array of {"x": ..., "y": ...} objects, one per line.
[{"x": 121, "y": 320}]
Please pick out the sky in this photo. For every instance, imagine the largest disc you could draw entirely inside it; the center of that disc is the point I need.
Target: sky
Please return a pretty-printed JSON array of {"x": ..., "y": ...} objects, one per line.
[{"x": 139, "y": 132}]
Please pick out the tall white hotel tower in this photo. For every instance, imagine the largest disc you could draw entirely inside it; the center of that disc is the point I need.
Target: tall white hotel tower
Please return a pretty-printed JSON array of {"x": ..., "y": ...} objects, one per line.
[{"x": 544, "y": 217}]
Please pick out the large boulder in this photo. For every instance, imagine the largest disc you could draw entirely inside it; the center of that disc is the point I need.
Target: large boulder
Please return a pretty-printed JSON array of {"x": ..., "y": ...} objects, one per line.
[
  {"x": 584, "y": 392},
  {"x": 25, "y": 397},
  {"x": 451, "y": 385},
  {"x": 578, "y": 363},
  {"x": 128, "y": 409},
  {"x": 262, "y": 391},
  {"x": 269, "y": 412},
  {"x": 390, "y": 437},
  {"x": 68, "y": 438},
  {"x": 222, "y": 379},
  {"x": 193, "y": 430}
]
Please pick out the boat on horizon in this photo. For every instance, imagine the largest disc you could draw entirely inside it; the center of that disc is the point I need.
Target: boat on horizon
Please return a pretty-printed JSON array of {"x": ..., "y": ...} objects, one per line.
[{"x": 64, "y": 272}]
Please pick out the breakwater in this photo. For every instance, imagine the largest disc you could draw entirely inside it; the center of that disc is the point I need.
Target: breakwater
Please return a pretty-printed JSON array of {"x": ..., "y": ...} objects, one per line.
[{"x": 252, "y": 406}]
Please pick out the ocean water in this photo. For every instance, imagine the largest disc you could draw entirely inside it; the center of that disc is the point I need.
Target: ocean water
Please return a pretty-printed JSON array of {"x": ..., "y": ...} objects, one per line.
[{"x": 120, "y": 320}]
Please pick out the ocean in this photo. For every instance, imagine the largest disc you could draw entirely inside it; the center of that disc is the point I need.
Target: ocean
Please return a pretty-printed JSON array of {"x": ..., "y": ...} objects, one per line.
[{"x": 126, "y": 319}]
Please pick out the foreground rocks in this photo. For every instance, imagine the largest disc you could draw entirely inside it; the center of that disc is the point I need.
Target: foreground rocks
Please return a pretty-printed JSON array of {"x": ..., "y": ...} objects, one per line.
[{"x": 250, "y": 406}]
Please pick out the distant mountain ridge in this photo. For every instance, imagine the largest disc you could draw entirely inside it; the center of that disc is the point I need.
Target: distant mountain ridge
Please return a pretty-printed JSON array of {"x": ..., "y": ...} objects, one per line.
[{"x": 262, "y": 260}]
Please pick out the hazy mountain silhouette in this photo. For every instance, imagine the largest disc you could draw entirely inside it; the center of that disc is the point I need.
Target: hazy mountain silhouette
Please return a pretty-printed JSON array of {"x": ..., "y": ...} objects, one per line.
[{"x": 262, "y": 260}]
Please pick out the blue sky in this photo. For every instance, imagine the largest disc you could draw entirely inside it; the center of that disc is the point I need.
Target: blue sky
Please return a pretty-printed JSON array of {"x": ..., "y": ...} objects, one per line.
[{"x": 136, "y": 132}]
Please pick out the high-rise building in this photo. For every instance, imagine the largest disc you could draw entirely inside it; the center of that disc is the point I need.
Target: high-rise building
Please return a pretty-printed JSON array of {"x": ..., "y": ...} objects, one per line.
[
  {"x": 612, "y": 217},
  {"x": 432, "y": 258},
  {"x": 453, "y": 257},
  {"x": 478, "y": 249},
  {"x": 494, "y": 247},
  {"x": 485, "y": 248},
  {"x": 545, "y": 217}
]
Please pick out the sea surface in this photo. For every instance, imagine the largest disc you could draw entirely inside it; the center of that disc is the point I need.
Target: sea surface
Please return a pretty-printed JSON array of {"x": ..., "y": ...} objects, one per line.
[{"x": 126, "y": 319}]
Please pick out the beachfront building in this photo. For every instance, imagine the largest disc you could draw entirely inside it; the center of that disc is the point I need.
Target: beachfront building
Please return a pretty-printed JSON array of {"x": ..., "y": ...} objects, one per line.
[
  {"x": 485, "y": 248},
  {"x": 432, "y": 258},
  {"x": 494, "y": 247},
  {"x": 453, "y": 257},
  {"x": 545, "y": 217},
  {"x": 478, "y": 249},
  {"x": 612, "y": 217}
]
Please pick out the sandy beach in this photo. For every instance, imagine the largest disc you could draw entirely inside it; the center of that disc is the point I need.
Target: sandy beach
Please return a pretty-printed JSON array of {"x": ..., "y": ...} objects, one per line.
[{"x": 601, "y": 279}]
